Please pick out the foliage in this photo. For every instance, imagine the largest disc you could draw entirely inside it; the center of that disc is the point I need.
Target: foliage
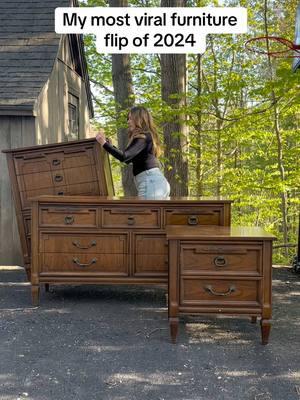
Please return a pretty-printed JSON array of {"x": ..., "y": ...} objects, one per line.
[{"x": 233, "y": 149}]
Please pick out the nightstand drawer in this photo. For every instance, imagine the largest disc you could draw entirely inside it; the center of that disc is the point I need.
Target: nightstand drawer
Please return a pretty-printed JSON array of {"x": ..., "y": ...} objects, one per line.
[
  {"x": 223, "y": 292},
  {"x": 130, "y": 218},
  {"x": 107, "y": 264},
  {"x": 70, "y": 243},
  {"x": 221, "y": 259},
  {"x": 195, "y": 216},
  {"x": 67, "y": 217}
]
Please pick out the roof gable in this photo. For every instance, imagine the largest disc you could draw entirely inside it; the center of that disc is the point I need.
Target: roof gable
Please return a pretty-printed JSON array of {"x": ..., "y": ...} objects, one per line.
[{"x": 28, "y": 49}]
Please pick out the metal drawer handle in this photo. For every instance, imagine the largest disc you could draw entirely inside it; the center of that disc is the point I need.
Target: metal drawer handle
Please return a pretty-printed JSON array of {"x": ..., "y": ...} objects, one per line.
[
  {"x": 58, "y": 178},
  {"x": 55, "y": 162},
  {"x": 76, "y": 261},
  {"x": 78, "y": 245},
  {"x": 130, "y": 220},
  {"x": 60, "y": 193},
  {"x": 210, "y": 289},
  {"x": 192, "y": 220},
  {"x": 220, "y": 261},
  {"x": 69, "y": 219}
]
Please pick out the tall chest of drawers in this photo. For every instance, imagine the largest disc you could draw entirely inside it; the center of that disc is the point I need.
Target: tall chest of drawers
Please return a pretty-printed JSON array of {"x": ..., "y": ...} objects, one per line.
[
  {"x": 220, "y": 270},
  {"x": 69, "y": 168},
  {"x": 78, "y": 239}
]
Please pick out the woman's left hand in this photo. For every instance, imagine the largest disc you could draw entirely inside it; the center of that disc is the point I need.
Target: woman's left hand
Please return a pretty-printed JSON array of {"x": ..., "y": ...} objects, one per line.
[{"x": 100, "y": 137}]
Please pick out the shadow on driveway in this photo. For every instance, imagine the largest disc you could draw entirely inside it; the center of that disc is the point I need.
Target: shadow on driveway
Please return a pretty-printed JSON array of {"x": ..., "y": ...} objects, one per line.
[{"x": 112, "y": 343}]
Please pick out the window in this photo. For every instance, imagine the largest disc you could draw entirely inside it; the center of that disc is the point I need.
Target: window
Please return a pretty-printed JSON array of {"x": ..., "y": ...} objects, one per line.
[{"x": 73, "y": 109}]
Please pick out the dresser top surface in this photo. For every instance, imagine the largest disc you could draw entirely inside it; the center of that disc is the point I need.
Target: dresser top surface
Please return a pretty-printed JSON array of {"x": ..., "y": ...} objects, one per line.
[
  {"x": 72, "y": 200},
  {"x": 201, "y": 232},
  {"x": 50, "y": 146}
]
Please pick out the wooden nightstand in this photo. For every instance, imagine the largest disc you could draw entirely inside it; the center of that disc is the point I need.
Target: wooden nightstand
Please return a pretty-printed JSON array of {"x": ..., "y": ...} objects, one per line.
[{"x": 220, "y": 270}]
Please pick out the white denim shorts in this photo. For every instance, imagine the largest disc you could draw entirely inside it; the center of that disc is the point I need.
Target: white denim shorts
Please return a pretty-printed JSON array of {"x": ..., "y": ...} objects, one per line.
[{"x": 152, "y": 184}]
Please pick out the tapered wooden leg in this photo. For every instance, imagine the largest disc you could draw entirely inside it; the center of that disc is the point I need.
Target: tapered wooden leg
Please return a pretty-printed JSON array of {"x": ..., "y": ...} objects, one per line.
[
  {"x": 265, "y": 330},
  {"x": 173, "y": 328},
  {"x": 253, "y": 320},
  {"x": 35, "y": 294},
  {"x": 47, "y": 287}
]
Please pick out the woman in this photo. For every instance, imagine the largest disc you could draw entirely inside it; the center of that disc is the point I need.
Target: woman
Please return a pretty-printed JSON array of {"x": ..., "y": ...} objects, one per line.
[{"x": 142, "y": 151}]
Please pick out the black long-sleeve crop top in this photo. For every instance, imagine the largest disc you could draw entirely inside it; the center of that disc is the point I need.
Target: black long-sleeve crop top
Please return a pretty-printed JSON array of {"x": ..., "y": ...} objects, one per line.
[{"x": 139, "y": 153}]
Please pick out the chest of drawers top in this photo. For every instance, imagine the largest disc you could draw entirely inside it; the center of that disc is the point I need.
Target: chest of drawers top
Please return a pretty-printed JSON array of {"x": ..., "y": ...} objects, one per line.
[
  {"x": 73, "y": 168},
  {"x": 79, "y": 167}
]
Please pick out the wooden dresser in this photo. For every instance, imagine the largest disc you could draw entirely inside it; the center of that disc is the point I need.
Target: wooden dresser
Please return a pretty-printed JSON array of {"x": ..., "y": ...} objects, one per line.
[
  {"x": 220, "y": 270},
  {"x": 78, "y": 239},
  {"x": 69, "y": 168}
]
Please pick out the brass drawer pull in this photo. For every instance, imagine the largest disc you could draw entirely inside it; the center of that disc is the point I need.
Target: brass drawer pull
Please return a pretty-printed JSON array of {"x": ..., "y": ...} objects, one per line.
[
  {"x": 55, "y": 162},
  {"x": 192, "y": 220},
  {"x": 210, "y": 289},
  {"x": 130, "y": 220},
  {"x": 76, "y": 261},
  {"x": 220, "y": 261},
  {"x": 58, "y": 178},
  {"x": 69, "y": 219},
  {"x": 78, "y": 245}
]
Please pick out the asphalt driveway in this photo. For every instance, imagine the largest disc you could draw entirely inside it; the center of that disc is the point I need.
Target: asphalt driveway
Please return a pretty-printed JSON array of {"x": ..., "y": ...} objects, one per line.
[{"x": 112, "y": 343}]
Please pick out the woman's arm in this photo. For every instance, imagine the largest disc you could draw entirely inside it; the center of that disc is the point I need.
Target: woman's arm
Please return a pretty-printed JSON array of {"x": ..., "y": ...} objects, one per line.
[{"x": 135, "y": 147}]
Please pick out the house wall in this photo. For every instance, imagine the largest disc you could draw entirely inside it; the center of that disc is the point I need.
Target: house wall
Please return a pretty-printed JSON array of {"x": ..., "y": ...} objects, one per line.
[
  {"x": 15, "y": 131},
  {"x": 49, "y": 126},
  {"x": 52, "y": 107}
]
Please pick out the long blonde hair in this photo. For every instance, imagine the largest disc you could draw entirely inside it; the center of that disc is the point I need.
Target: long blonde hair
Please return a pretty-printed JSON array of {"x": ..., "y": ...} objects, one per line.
[{"x": 144, "y": 123}]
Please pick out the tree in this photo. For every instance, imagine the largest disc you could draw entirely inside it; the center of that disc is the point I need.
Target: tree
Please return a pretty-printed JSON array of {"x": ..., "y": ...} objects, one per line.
[{"x": 173, "y": 91}]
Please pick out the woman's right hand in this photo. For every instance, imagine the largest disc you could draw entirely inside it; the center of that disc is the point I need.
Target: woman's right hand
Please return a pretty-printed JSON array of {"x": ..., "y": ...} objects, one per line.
[{"x": 100, "y": 137}]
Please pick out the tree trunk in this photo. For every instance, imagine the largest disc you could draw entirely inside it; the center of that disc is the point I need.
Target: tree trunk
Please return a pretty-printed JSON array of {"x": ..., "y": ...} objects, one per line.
[
  {"x": 124, "y": 99},
  {"x": 277, "y": 131},
  {"x": 173, "y": 82},
  {"x": 199, "y": 141}
]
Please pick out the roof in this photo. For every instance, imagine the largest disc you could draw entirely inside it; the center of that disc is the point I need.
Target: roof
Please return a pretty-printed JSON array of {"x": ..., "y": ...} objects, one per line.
[{"x": 28, "y": 49}]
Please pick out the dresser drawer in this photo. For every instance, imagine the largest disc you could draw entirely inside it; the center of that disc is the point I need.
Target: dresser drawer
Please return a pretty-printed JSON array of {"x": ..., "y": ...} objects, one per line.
[
  {"x": 130, "y": 218},
  {"x": 27, "y": 195},
  {"x": 195, "y": 216},
  {"x": 70, "y": 243},
  {"x": 40, "y": 162},
  {"x": 71, "y": 176},
  {"x": 71, "y": 158},
  {"x": 83, "y": 264},
  {"x": 221, "y": 259},
  {"x": 223, "y": 292},
  {"x": 86, "y": 189},
  {"x": 35, "y": 181},
  {"x": 31, "y": 163},
  {"x": 68, "y": 217},
  {"x": 151, "y": 244},
  {"x": 151, "y": 265}
]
